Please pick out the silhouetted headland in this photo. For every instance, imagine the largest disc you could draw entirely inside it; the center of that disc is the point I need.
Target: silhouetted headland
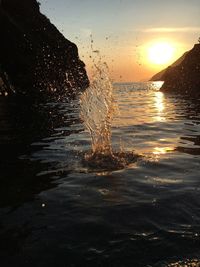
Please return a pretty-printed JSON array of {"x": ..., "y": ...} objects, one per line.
[
  {"x": 160, "y": 76},
  {"x": 35, "y": 58},
  {"x": 184, "y": 77}
]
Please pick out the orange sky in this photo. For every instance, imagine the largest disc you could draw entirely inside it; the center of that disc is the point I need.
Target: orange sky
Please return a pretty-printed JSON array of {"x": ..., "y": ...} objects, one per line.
[
  {"x": 123, "y": 30},
  {"x": 131, "y": 62}
]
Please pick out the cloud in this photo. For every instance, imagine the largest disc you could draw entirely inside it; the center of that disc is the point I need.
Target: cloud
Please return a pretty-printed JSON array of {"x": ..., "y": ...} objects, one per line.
[{"x": 180, "y": 29}]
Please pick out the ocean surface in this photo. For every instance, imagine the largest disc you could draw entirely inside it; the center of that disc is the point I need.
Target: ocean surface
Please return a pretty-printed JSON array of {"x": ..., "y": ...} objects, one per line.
[{"x": 55, "y": 211}]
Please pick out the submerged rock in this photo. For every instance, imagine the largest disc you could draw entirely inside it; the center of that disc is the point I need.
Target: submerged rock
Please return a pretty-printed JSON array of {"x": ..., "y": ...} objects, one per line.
[
  {"x": 184, "y": 78},
  {"x": 34, "y": 56}
]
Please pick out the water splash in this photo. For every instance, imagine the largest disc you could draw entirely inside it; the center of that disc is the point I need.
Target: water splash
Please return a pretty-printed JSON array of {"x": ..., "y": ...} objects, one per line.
[{"x": 97, "y": 110}]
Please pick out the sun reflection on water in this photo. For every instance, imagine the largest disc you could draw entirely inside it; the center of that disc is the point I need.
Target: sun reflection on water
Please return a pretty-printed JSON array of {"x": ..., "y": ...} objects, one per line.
[
  {"x": 157, "y": 85},
  {"x": 150, "y": 113},
  {"x": 159, "y": 101},
  {"x": 162, "y": 150},
  {"x": 160, "y": 106}
]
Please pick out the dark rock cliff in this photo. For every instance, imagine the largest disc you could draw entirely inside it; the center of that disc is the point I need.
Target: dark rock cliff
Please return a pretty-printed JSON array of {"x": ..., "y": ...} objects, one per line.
[
  {"x": 184, "y": 78},
  {"x": 160, "y": 76},
  {"x": 35, "y": 58}
]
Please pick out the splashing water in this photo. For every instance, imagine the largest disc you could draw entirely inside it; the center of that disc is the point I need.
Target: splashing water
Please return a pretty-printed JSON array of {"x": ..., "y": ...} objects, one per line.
[{"x": 97, "y": 109}]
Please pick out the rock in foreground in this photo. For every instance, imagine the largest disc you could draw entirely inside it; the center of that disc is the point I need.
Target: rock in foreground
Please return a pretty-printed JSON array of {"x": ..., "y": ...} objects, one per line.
[{"x": 35, "y": 58}]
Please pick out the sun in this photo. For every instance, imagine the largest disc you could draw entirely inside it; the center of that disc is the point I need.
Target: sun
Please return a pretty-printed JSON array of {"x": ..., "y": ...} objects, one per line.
[{"x": 160, "y": 53}]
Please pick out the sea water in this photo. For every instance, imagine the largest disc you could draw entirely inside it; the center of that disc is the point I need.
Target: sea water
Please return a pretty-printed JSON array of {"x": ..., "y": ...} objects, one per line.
[{"x": 55, "y": 210}]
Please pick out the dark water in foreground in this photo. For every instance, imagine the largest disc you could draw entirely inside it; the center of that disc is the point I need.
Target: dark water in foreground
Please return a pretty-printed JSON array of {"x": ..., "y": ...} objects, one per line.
[{"x": 56, "y": 212}]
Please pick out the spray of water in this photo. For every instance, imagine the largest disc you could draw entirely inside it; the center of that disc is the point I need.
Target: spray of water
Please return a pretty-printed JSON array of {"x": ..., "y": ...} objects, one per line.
[{"x": 96, "y": 110}]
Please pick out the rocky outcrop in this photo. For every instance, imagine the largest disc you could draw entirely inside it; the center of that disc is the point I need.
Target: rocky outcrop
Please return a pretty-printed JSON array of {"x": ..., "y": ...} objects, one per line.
[
  {"x": 160, "y": 76},
  {"x": 184, "y": 78},
  {"x": 35, "y": 58}
]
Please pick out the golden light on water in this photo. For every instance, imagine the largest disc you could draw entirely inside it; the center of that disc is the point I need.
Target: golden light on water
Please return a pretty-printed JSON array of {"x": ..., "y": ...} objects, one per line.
[
  {"x": 159, "y": 106},
  {"x": 159, "y": 103},
  {"x": 186, "y": 263},
  {"x": 156, "y": 85},
  {"x": 162, "y": 150},
  {"x": 160, "y": 53}
]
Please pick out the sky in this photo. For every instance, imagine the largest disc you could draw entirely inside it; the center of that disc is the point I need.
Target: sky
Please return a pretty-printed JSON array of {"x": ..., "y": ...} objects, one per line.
[{"x": 123, "y": 31}]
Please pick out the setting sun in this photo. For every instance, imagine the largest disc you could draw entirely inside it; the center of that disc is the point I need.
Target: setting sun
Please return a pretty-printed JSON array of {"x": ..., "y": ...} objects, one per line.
[{"x": 160, "y": 53}]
